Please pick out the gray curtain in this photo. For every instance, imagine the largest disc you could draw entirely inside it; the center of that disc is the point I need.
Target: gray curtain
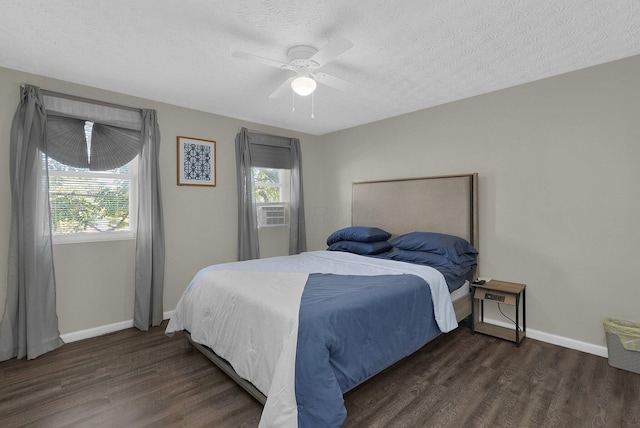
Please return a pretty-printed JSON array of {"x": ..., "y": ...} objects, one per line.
[
  {"x": 111, "y": 146},
  {"x": 119, "y": 134},
  {"x": 248, "y": 245},
  {"x": 150, "y": 249},
  {"x": 267, "y": 151},
  {"x": 51, "y": 124},
  {"x": 297, "y": 231},
  {"x": 116, "y": 136},
  {"x": 29, "y": 325}
]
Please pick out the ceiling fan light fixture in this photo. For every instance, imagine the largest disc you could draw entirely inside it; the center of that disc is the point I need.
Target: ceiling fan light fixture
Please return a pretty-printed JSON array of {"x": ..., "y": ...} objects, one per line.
[{"x": 303, "y": 85}]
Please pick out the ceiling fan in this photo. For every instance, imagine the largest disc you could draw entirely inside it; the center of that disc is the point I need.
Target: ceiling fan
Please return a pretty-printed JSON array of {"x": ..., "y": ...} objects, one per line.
[{"x": 305, "y": 61}]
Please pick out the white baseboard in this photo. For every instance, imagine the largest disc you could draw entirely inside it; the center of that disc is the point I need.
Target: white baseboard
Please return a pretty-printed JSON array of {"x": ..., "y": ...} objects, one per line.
[
  {"x": 532, "y": 333},
  {"x": 96, "y": 331},
  {"x": 565, "y": 342},
  {"x": 104, "y": 329}
]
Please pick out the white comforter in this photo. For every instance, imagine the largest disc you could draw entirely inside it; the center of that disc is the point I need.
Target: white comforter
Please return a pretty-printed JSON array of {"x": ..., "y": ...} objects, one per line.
[{"x": 250, "y": 318}]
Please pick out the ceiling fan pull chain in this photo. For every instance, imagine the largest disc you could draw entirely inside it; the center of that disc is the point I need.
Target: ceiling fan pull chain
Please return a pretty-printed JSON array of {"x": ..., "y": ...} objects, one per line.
[
  {"x": 293, "y": 102},
  {"x": 313, "y": 116}
]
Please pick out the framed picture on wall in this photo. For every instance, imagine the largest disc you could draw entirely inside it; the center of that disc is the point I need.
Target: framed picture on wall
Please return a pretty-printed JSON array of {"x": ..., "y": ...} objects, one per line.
[{"x": 196, "y": 162}]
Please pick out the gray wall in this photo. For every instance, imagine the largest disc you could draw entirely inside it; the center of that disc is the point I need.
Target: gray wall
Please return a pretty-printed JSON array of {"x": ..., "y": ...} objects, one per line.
[
  {"x": 559, "y": 187},
  {"x": 558, "y": 194},
  {"x": 95, "y": 280}
]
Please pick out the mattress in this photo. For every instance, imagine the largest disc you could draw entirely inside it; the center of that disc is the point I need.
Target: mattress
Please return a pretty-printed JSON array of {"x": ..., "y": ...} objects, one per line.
[{"x": 461, "y": 292}]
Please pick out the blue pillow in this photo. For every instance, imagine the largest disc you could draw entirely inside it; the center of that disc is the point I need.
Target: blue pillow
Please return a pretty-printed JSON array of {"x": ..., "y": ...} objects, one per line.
[
  {"x": 431, "y": 259},
  {"x": 359, "y": 234},
  {"x": 454, "y": 248},
  {"x": 454, "y": 274},
  {"x": 362, "y": 248}
]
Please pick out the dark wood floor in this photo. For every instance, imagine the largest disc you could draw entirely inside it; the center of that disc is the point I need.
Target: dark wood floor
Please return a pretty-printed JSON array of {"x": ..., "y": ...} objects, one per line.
[{"x": 134, "y": 379}]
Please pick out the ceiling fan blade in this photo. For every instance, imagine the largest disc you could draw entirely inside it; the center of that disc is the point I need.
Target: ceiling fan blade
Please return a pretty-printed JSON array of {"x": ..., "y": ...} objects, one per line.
[
  {"x": 331, "y": 51},
  {"x": 282, "y": 89},
  {"x": 259, "y": 59},
  {"x": 336, "y": 82}
]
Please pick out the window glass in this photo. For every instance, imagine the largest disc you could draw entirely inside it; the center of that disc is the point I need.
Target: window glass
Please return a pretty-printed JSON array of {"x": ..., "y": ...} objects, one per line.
[{"x": 269, "y": 185}]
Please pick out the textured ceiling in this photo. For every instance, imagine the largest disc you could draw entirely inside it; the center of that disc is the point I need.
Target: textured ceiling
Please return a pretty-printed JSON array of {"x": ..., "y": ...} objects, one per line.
[{"x": 407, "y": 55}]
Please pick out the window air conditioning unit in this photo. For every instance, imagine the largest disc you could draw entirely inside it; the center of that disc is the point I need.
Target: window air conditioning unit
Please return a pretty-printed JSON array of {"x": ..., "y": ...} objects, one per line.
[{"x": 272, "y": 215}]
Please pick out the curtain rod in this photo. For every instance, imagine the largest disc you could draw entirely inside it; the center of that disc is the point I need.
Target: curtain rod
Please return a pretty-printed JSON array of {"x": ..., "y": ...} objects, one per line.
[
  {"x": 86, "y": 100},
  {"x": 253, "y": 131}
]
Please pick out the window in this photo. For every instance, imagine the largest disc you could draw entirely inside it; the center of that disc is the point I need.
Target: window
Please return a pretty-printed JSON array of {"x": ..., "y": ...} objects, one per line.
[
  {"x": 269, "y": 184},
  {"x": 271, "y": 192},
  {"x": 92, "y": 205}
]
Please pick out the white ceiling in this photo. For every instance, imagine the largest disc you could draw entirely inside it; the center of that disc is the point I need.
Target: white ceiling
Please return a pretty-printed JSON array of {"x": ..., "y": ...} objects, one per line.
[{"x": 407, "y": 55}]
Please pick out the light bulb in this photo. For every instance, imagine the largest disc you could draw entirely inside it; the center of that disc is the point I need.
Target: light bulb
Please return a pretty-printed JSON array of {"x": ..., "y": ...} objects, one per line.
[{"x": 303, "y": 85}]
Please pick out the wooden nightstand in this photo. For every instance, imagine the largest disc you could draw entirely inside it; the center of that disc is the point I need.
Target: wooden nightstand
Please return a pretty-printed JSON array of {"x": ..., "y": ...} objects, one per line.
[{"x": 508, "y": 293}]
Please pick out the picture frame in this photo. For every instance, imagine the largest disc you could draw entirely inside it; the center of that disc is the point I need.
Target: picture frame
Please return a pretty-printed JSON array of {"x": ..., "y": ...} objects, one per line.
[{"x": 196, "y": 162}]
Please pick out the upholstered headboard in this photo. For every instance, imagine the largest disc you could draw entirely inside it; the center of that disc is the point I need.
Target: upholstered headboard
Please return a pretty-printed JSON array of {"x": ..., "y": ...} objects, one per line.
[{"x": 446, "y": 204}]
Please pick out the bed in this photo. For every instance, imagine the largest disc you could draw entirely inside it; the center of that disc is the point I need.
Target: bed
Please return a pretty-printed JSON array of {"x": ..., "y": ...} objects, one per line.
[{"x": 300, "y": 331}]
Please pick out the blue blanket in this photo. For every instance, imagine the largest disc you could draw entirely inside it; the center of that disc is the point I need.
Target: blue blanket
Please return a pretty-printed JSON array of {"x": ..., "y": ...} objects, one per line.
[{"x": 351, "y": 328}]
